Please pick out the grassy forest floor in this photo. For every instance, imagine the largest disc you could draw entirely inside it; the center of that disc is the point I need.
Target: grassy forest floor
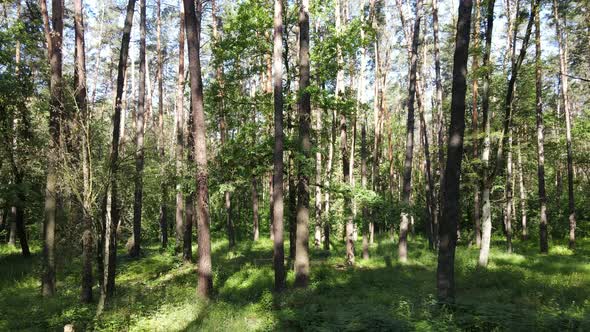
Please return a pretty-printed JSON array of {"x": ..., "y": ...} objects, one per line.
[{"x": 521, "y": 291}]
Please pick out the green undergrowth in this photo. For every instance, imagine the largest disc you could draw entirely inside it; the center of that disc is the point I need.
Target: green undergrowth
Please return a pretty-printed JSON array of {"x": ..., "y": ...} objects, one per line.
[{"x": 517, "y": 292}]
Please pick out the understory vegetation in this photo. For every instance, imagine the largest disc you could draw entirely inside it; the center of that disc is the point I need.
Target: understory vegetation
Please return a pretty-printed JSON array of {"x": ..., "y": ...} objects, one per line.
[{"x": 517, "y": 292}]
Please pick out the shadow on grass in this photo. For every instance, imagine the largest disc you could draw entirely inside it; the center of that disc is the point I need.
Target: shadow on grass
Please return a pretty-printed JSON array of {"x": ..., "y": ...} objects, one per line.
[{"x": 532, "y": 292}]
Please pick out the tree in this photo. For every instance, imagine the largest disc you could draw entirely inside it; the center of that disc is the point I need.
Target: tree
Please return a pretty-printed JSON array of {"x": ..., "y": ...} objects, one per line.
[
  {"x": 474, "y": 122},
  {"x": 543, "y": 245},
  {"x": 445, "y": 273},
  {"x": 81, "y": 97},
  {"x": 277, "y": 178},
  {"x": 179, "y": 151},
  {"x": 54, "y": 38},
  {"x": 489, "y": 175},
  {"x": 563, "y": 73},
  {"x": 139, "y": 135},
  {"x": 109, "y": 253},
  {"x": 304, "y": 114},
  {"x": 485, "y": 154},
  {"x": 409, "y": 155},
  {"x": 161, "y": 142},
  {"x": 193, "y": 30}
]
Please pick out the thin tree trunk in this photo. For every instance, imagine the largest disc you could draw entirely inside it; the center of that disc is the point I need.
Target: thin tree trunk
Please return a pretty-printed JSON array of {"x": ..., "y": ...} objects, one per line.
[
  {"x": 189, "y": 218},
  {"x": 365, "y": 229},
  {"x": 179, "y": 151},
  {"x": 110, "y": 245},
  {"x": 54, "y": 37},
  {"x": 562, "y": 42},
  {"x": 489, "y": 174},
  {"x": 474, "y": 124},
  {"x": 439, "y": 110},
  {"x": 255, "y": 216},
  {"x": 543, "y": 243},
  {"x": 139, "y": 133},
  {"x": 271, "y": 208},
  {"x": 445, "y": 276},
  {"x": 522, "y": 191},
  {"x": 302, "y": 236},
  {"x": 292, "y": 198},
  {"x": 277, "y": 179},
  {"x": 82, "y": 102},
  {"x": 328, "y": 182},
  {"x": 318, "y": 179},
  {"x": 409, "y": 154},
  {"x": 161, "y": 140},
  {"x": 509, "y": 194}
]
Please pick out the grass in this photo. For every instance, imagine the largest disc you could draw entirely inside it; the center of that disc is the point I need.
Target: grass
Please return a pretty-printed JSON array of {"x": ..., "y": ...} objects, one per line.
[{"x": 520, "y": 291}]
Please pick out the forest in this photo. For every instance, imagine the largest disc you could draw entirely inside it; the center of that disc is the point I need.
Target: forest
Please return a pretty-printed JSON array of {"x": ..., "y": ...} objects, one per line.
[{"x": 294, "y": 165}]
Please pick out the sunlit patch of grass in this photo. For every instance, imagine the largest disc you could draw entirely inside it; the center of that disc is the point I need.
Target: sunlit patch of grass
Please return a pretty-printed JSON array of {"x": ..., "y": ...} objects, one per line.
[{"x": 157, "y": 292}]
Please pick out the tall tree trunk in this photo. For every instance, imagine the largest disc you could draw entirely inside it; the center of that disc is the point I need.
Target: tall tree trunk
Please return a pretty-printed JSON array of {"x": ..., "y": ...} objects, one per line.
[
  {"x": 445, "y": 274},
  {"x": 179, "y": 151},
  {"x": 475, "y": 124},
  {"x": 271, "y": 207},
  {"x": 82, "y": 102},
  {"x": 17, "y": 224},
  {"x": 110, "y": 245},
  {"x": 328, "y": 182},
  {"x": 522, "y": 191},
  {"x": 489, "y": 174},
  {"x": 485, "y": 154},
  {"x": 543, "y": 242},
  {"x": 365, "y": 229},
  {"x": 189, "y": 218},
  {"x": 563, "y": 72},
  {"x": 139, "y": 132},
  {"x": 229, "y": 226},
  {"x": 409, "y": 154},
  {"x": 54, "y": 37},
  {"x": 302, "y": 237},
  {"x": 509, "y": 194},
  {"x": 193, "y": 33},
  {"x": 292, "y": 198},
  {"x": 277, "y": 179},
  {"x": 161, "y": 140},
  {"x": 349, "y": 227},
  {"x": 439, "y": 110},
  {"x": 255, "y": 216},
  {"x": 318, "y": 179}
]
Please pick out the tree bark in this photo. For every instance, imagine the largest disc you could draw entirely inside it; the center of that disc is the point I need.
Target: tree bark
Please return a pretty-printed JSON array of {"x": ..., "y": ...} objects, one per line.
[
  {"x": 82, "y": 102},
  {"x": 522, "y": 191},
  {"x": 489, "y": 174},
  {"x": 475, "y": 124},
  {"x": 509, "y": 194},
  {"x": 193, "y": 31},
  {"x": 255, "y": 216},
  {"x": 562, "y": 43},
  {"x": 179, "y": 151},
  {"x": 161, "y": 140},
  {"x": 543, "y": 241},
  {"x": 189, "y": 218},
  {"x": 409, "y": 154},
  {"x": 445, "y": 276},
  {"x": 139, "y": 133},
  {"x": 111, "y": 206},
  {"x": 54, "y": 38},
  {"x": 302, "y": 236},
  {"x": 277, "y": 179},
  {"x": 439, "y": 110},
  {"x": 365, "y": 229}
]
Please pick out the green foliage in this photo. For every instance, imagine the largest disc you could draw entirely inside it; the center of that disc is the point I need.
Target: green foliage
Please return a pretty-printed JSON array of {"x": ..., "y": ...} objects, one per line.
[{"x": 522, "y": 291}]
